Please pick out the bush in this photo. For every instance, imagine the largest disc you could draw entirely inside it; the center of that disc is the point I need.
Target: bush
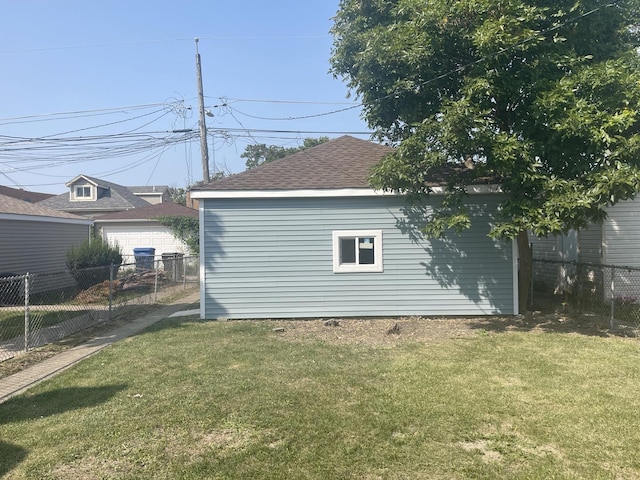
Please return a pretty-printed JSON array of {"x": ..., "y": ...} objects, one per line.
[{"x": 89, "y": 262}]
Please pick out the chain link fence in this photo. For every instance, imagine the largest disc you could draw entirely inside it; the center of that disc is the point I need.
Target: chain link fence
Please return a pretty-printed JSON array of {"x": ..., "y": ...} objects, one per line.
[
  {"x": 40, "y": 308},
  {"x": 610, "y": 292}
]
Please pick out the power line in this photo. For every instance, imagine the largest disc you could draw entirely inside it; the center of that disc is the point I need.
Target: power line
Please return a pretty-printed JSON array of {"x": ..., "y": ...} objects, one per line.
[
  {"x": 305, "y": 102},
  {"x": 302, "y": 117},
  {"x": 42, "y": 117}
]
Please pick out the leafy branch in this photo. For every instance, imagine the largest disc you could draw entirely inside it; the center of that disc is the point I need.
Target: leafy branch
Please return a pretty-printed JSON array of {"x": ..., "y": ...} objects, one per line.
[{"x": 184, "y": 228}]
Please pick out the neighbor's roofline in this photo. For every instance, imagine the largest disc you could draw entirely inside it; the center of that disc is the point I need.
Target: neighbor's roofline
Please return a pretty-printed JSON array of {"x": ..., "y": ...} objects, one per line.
[
  {"x": 326, "y": 193},
  {"x": 45, "y": 218}
]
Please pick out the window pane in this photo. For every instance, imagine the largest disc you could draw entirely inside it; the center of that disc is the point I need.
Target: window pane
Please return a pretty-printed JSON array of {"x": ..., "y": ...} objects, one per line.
[
  {"x": 366, "y": 251},
  {"x": 82, "y": 192},
  {"x": 347, "y": 250}
]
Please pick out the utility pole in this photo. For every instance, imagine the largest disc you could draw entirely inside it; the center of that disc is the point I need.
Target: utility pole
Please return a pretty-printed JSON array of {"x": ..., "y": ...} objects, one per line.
[{"x": 204, "y": 149}]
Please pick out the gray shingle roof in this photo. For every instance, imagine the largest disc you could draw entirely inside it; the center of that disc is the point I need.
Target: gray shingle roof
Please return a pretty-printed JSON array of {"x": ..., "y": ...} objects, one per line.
[
  {"x": 10, "y": 205},
  {"x": 25, "y": 195},
  {"x": 344, "y": 162},
  {"x": 166, "y": 209},
  {"x": 117, "y": 198}
]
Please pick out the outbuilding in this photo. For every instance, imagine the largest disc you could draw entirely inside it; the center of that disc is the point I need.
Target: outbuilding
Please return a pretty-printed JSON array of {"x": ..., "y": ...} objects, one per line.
[{"x": 307, "y": 237}]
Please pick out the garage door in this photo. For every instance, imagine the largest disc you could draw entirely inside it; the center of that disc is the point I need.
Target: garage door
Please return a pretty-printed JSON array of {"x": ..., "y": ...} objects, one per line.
[{"x": 128, "y": 238}]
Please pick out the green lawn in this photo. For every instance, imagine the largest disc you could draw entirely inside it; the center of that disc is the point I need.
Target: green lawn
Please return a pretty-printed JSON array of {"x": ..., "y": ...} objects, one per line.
[
  {"x": 12, "y": 323},
  {"x": 193, "y": 400}
]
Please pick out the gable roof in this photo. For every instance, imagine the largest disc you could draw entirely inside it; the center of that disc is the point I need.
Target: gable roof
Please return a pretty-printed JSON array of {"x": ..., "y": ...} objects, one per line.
[
  {"x": 27, "y": 196},
  {"x": 10, "y": 207},
  {"x": 166, "y": 209},
  {"x": 119, "y": 198},
  {"x": 342, "y": 163}
]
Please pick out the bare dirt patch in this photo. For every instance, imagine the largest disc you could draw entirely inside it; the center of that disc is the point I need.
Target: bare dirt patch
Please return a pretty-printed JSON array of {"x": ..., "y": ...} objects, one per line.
[{"x": 393, "y": 331}]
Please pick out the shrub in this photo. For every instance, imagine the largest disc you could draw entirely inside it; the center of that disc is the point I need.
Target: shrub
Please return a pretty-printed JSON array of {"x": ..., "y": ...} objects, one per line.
[{"x": 90, "y": 261}]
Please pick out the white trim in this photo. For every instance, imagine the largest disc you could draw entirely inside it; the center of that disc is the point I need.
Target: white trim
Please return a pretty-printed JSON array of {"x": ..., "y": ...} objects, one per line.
[
  {"x": 339, "y": 267},
  {"x": 201, "y": 256},
  {"x": 78, "y": 177},
  {"x": 42, "y": 218},
  {"x": 326, "y": 193},
  {"x": 514, "y": 249},
  {"x": 83, "y": 189},
  {"x": 127, "y": 220}
]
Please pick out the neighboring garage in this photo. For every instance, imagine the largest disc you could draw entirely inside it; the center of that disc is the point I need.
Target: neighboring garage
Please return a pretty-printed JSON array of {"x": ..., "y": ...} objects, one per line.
[{"x": 139, "y": 228}]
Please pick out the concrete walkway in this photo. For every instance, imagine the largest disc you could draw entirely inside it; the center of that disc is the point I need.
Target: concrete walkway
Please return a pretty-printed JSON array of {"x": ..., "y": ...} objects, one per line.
[{"x": 21, "y": 381}]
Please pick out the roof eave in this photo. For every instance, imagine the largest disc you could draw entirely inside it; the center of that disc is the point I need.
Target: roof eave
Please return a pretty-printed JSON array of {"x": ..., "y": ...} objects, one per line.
[{"x": 326, "y": 193}]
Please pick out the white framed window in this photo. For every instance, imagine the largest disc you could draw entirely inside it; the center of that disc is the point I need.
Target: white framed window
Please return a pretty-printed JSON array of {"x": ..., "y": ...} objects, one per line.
[
  {"x": 357, "y": 251},
  {"x": 83, "y": 192}
]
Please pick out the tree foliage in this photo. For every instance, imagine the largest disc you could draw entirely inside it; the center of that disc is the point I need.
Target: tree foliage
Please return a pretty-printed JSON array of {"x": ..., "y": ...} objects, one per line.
[
  {"x": 184, "y": 228},
  {"x": 178, "y": 195},
  {"x": 541, "y": 97},
  {"x": 261, "y": 153}
]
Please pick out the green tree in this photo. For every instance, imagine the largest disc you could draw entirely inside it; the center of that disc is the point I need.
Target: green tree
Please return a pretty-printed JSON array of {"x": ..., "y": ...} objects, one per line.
[
  {"x": 178, "y": 195},
  {"x": 542, "y": 97},
  {"x": 260, "y": 153}
]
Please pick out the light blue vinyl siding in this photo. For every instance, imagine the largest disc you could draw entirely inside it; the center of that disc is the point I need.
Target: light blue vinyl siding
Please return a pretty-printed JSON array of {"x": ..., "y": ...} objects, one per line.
[
  {"x": 273, "y": 258},
  {"x": 621, "y": 234}
]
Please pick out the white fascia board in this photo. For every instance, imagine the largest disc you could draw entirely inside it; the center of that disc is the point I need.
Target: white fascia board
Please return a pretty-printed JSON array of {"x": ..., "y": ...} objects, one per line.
[
  {"x": 126, "y": 220},
  {"x": 36, "y": 218},
  {"x": 326, "y": 193}
]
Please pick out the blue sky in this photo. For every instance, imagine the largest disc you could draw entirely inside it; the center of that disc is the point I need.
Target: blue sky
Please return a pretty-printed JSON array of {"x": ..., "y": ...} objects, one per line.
[{"x": 95, "y": 87}]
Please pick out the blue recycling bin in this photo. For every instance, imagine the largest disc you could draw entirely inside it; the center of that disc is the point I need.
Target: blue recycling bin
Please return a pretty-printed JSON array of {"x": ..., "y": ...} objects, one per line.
[{"x": 144, "y": 258}]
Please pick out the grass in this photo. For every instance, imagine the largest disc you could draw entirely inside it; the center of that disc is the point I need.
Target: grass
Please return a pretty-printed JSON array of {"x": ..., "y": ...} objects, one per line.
[
  {"x": 191, "y": 400},
  {"x": 12, "y": 323}
]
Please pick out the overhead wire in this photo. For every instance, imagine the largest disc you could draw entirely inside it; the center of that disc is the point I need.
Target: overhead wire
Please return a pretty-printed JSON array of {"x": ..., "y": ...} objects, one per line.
[
  {"x": 23, "y": 153},
  {"x": 47, "y": 117}
]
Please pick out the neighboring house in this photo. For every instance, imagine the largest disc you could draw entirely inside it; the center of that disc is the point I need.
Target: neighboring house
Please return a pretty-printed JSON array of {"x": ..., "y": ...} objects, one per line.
[
  {"x": 25, "y": 195},
  {"x": 152, "y": 194},
  {"x": 91, "y": 197},
  {"x": 138, "y": 228},
  {"x": 35, "y": 239},
  {"x": 305, "y": 236}
]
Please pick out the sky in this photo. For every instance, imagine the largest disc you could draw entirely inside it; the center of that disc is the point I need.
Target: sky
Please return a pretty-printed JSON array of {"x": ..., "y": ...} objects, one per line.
[{"x": 109, "y": 88}]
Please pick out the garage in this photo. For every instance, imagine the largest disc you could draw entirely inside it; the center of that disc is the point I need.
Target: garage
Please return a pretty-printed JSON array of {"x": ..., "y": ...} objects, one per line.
[{"x": 139, "y": 228}]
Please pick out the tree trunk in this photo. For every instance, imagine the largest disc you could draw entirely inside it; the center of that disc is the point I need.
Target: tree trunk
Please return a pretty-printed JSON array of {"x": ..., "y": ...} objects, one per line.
[{"x": 525, "y": 265}]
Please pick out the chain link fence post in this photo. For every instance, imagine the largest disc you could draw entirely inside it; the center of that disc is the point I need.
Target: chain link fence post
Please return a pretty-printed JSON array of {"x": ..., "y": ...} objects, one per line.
[
  {"x": 155, "y": 285},
  {"x": 26, "y": 312},
  {"x": 613, "y": 297},
  {"x": 110, "y": 291}
]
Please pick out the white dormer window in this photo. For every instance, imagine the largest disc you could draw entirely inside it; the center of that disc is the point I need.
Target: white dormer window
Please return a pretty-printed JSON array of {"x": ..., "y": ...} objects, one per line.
[{"x": 83, "y": 192}]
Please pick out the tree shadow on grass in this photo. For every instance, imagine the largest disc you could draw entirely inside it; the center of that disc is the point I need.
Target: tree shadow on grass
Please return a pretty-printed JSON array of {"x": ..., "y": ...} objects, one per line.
[
  {"x": 584, "y": 324},
  {"x": 53, "y": 402},
  {"x": 10, "y": 456},
  {"x": 45, "y": 404}
]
